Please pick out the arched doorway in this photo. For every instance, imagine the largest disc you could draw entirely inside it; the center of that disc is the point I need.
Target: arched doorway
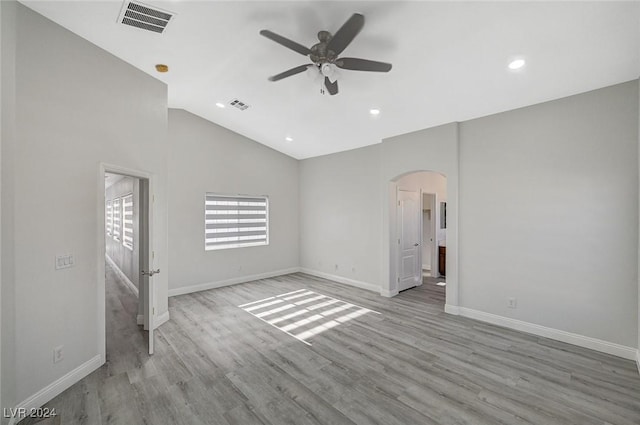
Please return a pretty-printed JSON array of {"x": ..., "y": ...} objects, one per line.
[{"x": 421, "y": 234}]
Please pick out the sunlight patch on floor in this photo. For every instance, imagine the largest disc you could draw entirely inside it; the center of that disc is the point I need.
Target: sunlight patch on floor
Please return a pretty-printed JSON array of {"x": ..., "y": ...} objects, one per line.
[{"x": 303, "y": 314}]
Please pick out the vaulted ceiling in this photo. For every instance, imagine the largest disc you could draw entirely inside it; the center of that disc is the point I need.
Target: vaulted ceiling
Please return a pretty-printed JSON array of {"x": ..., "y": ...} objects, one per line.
[{"x": 449, "y": 61}]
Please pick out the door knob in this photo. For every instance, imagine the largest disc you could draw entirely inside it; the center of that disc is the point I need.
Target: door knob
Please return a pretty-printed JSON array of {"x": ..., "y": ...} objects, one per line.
[
  {"x": 150, "y": 273},
  {"x": 416, "y": 244}
]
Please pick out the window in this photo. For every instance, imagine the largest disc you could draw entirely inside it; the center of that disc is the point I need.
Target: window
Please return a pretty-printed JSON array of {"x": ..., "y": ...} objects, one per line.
[
  {"x": 235, "y": 221},
  {"x": 117, "y": 213},
  {"x": 109, "y": 214},
  {"x": 127, "y": 221}
]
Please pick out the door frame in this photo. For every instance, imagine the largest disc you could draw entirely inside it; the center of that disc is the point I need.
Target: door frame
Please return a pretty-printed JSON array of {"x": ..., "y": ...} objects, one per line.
[
  {"x": 397, "y": 234},
  {"x": 434, "y": 233},
  {"x": 101, "y": 294},
  {"x": 388, "y": 287}
]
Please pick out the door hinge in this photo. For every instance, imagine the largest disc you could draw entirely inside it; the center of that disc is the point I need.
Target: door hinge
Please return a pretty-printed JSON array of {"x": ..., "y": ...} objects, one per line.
[
  {"x": 153, "y": 254},
  {"x": 153, "y": 311},
  {"x": 153, "y": 198},
  {"x": 398, "y": 280},
  {"x": 398, "y": 203},
  {"x": 398, "y": 241}
]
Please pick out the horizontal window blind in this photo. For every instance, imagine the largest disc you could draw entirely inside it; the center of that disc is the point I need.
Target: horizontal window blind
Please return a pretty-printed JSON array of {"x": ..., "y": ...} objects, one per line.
[
  {"x": 127, "y": 221},
  {"x": 109, "y": 214},
  {"x": 117, "y": 214},
  {"x": 235, "y": 221}
]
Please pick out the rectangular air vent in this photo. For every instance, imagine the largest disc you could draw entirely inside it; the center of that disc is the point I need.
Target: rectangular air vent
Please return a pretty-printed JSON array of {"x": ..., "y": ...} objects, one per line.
[
  {"x": 238, "y": 104},
  {"x": 145, "y": 17}
]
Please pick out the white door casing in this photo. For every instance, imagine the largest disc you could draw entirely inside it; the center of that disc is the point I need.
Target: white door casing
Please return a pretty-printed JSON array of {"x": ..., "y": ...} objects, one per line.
[
  {"x": 146, "y": 257},
  {"x": 409, "y": 217}
]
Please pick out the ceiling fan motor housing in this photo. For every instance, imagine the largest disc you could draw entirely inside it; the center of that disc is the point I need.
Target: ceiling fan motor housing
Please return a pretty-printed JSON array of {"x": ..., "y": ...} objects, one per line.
[{"x": 319, "y": 52}]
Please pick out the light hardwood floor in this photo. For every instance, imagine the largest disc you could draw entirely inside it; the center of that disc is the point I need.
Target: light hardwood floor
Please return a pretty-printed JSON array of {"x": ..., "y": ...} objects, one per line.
[{"x": 216, "y": 363}]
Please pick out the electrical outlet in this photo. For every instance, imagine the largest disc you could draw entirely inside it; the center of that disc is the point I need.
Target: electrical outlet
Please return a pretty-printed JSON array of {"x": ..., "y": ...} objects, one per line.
[
  {"x": 512, "y": 302},
  {"x": 58, "y": 354},
  {"x": 336, "y": 267}
]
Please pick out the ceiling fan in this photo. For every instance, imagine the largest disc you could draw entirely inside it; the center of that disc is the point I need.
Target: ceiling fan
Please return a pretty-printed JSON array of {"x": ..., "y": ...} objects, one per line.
[{"x": 325, "y": 54}]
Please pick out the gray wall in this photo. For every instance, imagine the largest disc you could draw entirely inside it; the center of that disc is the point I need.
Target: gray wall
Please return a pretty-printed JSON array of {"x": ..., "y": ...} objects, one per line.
[
  {"x": 340, "y": 214},
  {"x": 534, "y": 173},
  {"x": 529, "y": 227},
  {"x": 431, "y": 149},
  {"x": 84, "y": 107},
  {"x": 204, "y": 157},
  {"x": 7, "y": 137},
  {"x": 126, "y": 259}
]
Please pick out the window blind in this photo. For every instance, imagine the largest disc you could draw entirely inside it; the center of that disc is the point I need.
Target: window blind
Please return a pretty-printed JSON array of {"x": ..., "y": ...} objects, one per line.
[
  {"x": 117, "y": 213},
  {"x": 109, "y": 218},
  {"x": 236, "y": 221},
  {"x": 127, "y": 221}
]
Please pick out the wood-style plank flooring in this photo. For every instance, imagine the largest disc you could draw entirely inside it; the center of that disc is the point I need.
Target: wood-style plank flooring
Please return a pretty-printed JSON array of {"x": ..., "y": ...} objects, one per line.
[{"x": 412, "y": 364}]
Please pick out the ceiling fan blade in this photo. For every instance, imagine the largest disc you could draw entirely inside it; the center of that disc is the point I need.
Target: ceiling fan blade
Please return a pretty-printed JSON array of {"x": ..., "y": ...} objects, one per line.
[
  {"x": 290, "y": 72},
  {"x": 286, "y": 42},
  {"x": 356, "y": 64},
  {"x": 346, "y": 33},
  {"x": 331, "y": 87}
]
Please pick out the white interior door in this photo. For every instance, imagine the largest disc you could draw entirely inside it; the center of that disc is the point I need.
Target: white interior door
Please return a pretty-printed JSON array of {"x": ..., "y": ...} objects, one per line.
[
  {"x": 147, "y": 270},
  {"x": 409, "y": 235}
]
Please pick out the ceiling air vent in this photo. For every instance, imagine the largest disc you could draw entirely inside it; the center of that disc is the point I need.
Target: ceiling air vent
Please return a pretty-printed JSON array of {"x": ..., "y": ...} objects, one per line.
[
  {"x": 238, "y": 104},
  {"x": 145, "y": 17}
]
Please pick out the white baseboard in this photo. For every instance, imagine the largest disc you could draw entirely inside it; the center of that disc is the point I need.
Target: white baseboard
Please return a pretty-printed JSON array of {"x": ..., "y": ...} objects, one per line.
[
  {"x": 351, "y": 282},
  {"x": 234, "y": 281},
  {"x": 452, "y": 309},
  {"x": 121, "y": 274},
  {"x": 388, "y": 294},
  {"x": 556, "y": 334},
  {"x": 58, "y": 386},
  {"x": 163, "y": 318}
]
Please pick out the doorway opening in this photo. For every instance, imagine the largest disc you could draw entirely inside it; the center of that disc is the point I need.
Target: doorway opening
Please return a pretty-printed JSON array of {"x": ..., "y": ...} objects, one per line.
[
  {"x": 122, "y": 236},
  {"x": 126, "y": 296},
  {"x": 420, "y": 234}
]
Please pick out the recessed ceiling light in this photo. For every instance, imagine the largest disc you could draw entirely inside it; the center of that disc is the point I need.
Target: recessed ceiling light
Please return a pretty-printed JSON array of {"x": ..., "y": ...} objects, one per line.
[
  {"x": 516, "y": 64},
  {"x": 162, "y": 67},
  {"x": 374, "y": 111},
  {"x": 220, "y": 105},
  {"x": 288, "y": 139}
]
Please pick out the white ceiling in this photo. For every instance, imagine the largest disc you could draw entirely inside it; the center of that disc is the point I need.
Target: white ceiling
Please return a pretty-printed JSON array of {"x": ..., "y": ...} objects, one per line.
[{"x": 449, "y": 61}]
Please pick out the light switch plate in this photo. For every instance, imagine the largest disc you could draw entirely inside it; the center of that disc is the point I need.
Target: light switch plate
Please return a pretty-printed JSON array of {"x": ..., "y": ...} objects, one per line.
[{"x": 64, "y": 261}]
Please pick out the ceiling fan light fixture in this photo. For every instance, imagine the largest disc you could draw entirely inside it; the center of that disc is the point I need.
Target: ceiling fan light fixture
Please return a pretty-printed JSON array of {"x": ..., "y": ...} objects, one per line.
[
  {"x": 374, "y": 112},
  {"x": 327, "y": 70}
]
